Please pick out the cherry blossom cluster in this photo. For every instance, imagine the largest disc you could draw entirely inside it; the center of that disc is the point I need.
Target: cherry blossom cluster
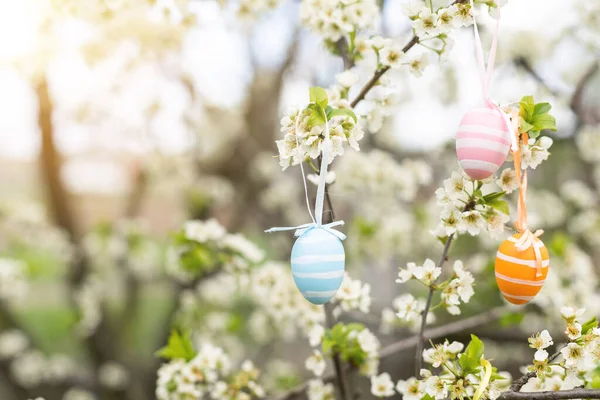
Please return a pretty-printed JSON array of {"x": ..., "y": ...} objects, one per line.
[
  {"x": 454, "y": 291},
  {"x": 374, "y": 177},
  {"x": 207, "y": 375},
  {"x": 335, "y": 19},
  {"x": 428, "y": 23},
  {"x": 209, "y": 245},
  {"x": 461, "y": 375},
  {"x": 465, "y": 209},
  {"x": 576, "y": 361},
  {"x": 573, "y": 276},
  {"x": 304, "y": 137},
  {"x": 251, "y": 9},
  {"x": 354, "y": 342}
]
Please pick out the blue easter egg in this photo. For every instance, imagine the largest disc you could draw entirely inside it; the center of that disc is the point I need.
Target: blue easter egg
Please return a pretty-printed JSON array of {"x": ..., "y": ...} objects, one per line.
[{"x": 318, "y": 265}]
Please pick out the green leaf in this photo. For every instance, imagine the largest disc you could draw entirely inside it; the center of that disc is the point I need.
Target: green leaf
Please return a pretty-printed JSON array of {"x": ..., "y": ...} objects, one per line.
[
  {"x": 527, "y": 107},
  {"x": 317, "y": 115},
  {"x": 533, "y": 134},
  {"x": 493, "y": 196},
  {"x": 499, "y": 205},
  {"x": 541, "y": 108},
  {"x": 179, "y": 346},
  {"x": 468, "y": 364},
  {"x": 342, "y": 112},
  {"x": 589, "y": 325},
  {"x": 475, "y": 348},
  {"x": 544, "y": 121},
  {"x": 524, "y": 126},
  {"x": 511, "y": 319},
  {"x": 497, "y": 377},
  {"x": 318, "y": 95}
]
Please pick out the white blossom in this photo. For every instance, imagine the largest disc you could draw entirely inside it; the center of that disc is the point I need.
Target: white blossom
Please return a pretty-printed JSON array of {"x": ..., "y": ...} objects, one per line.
[
  {"x": 428, "y": 273},
  {"x": 316, "y": 335},
  {"x": 203, "y": 231},
  {"x": 408, "y": 308},
  {"x": 463, "y": 15},
  {"x": 426, "y": 24},
  {"x": 571, "y": 314},
  {"x": 419, "y": 63},
  {"x": 471, "y": 222},
  {"x": 392, "y": 56},
  {"x": 541, "y": 355},
  {"x": 347, "y": 78},
  {"x": 573, "y": 330},
  {"x": 382, "y": 385},
  {"x": 368, "y": 342},
  {"x": 411, "y": 389},
  {"x": 315, "y": 363},
  {"x": 406, "y": 274},
  {"x": 541, "y": 340},
  {"x": 508, "y": 180},
  {"x": 436, "y": 387},
  {"x": 317, "y": 390}
]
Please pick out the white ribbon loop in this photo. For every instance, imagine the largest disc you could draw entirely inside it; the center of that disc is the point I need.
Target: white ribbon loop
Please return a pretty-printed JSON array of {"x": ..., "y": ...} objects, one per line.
[
  {"x": 527, "y": 240},
  {"x": 318, "y": 219},
  {"x": 302, "y": 229}
]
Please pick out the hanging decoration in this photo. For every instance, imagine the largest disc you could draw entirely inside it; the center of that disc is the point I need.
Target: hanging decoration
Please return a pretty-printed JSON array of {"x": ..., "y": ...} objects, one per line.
[
  {"x": 318, "y": 257},
  {"x": 483, "y": 139},
  {"x": 522, "y": 261}
]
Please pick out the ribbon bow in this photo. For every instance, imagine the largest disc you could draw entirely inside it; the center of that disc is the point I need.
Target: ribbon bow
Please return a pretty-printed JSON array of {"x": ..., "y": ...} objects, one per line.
[
  {"x": 302, "y": 229},
  {"x": 317, "y": 220},
  {"x": 485, "y": 73},
  {"x": 528, "y": 239}
]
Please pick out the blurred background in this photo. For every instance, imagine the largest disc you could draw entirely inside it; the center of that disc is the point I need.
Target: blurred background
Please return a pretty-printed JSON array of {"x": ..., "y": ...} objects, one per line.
[{"x": 120, "y": 120}]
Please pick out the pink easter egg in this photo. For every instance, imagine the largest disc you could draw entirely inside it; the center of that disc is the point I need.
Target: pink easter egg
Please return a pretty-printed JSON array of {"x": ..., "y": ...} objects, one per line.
[{"x": 482, "y": 142}]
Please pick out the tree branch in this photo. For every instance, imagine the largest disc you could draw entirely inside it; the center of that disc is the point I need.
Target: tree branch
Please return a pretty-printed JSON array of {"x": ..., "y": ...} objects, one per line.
[
  {"x": 578, "y": 393},
  {"x": 421, "y": 336},
  {"x": 410, "y": 342},
  {"x": 340, "y": 375},
  {"x": 519, "y": 383},
  {"x": 444, "y": 331},
  {"x": 523, "y": 63},
  {"x": 577, "y": 105},
  {"x": 379, "y": 73}
]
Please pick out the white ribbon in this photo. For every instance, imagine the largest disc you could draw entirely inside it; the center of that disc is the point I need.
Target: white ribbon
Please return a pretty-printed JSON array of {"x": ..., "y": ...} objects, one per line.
[
  {"x": 485, "y": 74},
  {"x": 302, "y": 229},
  {"x": 320, "y": 200},
  {"x": 528, "y": 239}
]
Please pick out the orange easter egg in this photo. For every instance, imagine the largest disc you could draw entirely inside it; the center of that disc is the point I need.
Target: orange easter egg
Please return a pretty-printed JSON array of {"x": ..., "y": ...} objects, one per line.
[{"x": 516, "y": 270}]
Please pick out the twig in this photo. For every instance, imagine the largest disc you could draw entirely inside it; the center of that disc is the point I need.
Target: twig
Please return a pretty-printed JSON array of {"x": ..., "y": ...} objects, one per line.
[
  {"x": 407, "y": 343},
  {"x": 379, "y": 73},
  {"x": 444, "y": 331},
  {"x": 577, "y": 98},
  {"x": 340, "y": 375},
  {"x": 560, "y": 394},
  {"x": 421, "y": 336},
  {"x": 524, "y": 63},
  {"x": 342, "y": 46},
  {"x": 519, "y": 383}
]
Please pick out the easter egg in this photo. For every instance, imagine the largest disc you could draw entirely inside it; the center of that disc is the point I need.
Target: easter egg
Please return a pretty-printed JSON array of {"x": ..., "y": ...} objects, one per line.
[
  {"x": 318, "y": 260},
  {"x": 482, "y": 142},
  {"x": 516, "y": 270}
]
